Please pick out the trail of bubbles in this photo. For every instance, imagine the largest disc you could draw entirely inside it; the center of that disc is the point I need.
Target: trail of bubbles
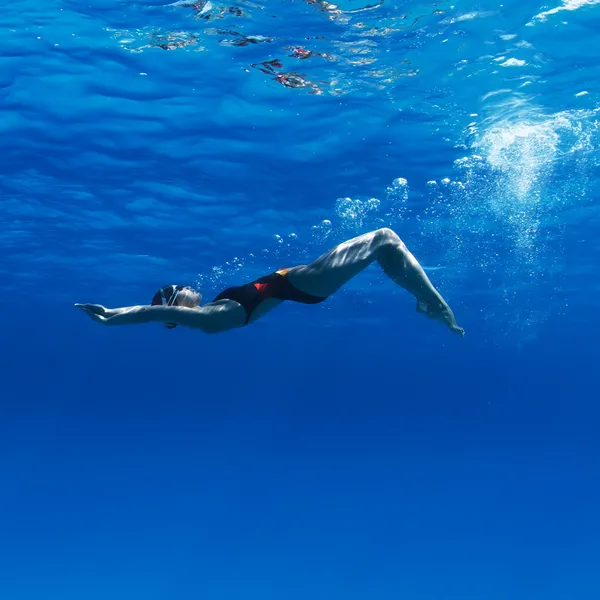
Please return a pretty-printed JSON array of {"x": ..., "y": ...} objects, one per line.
[{"x": 507, "y": 215}]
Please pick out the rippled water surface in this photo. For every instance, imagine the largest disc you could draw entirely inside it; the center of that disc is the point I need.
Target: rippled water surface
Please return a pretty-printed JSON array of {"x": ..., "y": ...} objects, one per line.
[{"x": 208, "y": 143}]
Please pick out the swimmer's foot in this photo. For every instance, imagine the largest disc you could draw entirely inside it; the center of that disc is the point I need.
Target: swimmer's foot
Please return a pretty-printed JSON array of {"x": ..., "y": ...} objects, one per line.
[{"x": 439, "y": 311}]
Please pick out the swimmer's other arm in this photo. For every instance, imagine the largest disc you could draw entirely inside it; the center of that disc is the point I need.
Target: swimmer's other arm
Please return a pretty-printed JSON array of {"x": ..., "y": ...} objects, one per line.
[{"x": 210, "y": 319}]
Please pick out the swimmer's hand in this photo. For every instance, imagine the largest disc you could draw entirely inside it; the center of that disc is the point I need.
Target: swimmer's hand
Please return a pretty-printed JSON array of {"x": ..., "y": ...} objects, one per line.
[{"x": 98, "y": 313}]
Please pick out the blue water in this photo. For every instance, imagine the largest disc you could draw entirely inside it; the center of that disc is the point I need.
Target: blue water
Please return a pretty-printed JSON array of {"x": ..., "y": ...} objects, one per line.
[{"x": 348, "y": 450}]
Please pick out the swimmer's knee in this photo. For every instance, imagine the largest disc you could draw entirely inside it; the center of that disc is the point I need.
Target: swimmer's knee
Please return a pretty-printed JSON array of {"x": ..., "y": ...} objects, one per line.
[
  {"x": 383, "y": 235},
  {"x": 387, "y": 237}
]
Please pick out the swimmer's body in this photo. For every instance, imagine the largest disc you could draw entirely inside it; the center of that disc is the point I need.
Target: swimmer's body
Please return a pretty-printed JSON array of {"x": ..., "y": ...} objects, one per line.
[{"x": 308, "y": 284}]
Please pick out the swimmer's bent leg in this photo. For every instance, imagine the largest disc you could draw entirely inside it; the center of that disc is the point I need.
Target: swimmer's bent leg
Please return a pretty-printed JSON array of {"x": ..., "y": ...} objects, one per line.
[{"x": 331, "y": 271}]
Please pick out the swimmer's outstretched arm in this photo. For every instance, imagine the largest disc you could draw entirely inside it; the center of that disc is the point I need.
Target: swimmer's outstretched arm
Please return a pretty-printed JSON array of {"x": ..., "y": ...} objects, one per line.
[{"x": 210, "y": 319}]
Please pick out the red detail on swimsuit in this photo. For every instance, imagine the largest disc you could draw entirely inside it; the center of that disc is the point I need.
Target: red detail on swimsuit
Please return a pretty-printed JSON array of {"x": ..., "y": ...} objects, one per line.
[{"x": 261, "y": 287}]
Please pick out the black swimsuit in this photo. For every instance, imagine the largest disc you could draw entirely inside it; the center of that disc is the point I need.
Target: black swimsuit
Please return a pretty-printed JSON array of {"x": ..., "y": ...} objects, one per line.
[{"x": 276, "y": 285}]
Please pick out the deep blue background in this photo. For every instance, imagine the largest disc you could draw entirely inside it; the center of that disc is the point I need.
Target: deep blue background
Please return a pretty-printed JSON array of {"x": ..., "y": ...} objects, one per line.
[{"x": 349, "y": 450}]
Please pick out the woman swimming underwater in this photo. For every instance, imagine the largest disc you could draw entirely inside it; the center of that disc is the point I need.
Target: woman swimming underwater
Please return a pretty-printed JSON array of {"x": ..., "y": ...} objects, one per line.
[{"x": 308, "y": 284}]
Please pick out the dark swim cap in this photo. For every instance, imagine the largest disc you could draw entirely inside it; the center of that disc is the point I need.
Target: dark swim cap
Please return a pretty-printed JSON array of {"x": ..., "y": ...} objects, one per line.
[{"x": 167, "y": 296}]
